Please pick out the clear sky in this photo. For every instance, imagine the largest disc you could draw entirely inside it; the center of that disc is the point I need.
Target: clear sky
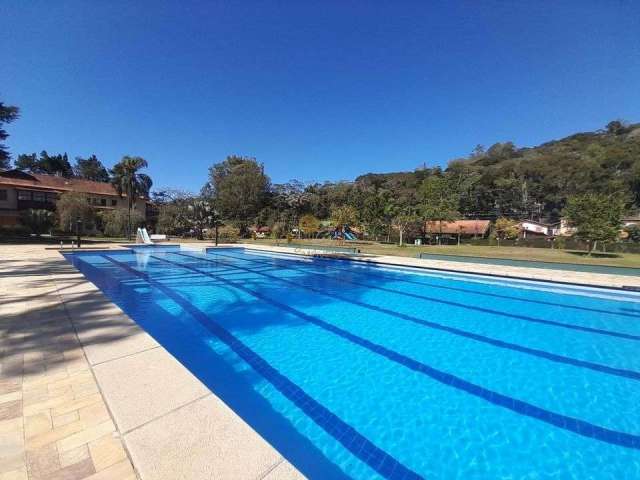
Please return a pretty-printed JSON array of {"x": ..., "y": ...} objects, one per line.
[{"x": 317, "y": 90}]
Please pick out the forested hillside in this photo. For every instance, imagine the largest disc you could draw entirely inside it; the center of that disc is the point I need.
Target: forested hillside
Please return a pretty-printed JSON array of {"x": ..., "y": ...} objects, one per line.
[{"x": 504, "y": 180}]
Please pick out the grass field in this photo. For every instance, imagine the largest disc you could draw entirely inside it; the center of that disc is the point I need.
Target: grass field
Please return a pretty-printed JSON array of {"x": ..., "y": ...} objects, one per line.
[{"x": 514, "y": 253}]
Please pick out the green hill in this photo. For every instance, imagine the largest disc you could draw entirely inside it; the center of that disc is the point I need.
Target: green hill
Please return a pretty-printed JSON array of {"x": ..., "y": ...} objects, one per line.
[{"x": 511, "y": 181}]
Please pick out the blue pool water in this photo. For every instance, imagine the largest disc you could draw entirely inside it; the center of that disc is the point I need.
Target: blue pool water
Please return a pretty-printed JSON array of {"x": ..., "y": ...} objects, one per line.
[{"x": 359, "y": 371}]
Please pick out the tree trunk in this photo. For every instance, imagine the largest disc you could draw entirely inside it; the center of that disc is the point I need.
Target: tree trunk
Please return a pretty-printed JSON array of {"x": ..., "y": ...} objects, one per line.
[{"x": 401, "y": 232}]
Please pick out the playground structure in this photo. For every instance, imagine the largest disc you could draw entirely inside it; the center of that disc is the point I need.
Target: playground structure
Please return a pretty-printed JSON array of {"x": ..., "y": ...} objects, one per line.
[{"x": 343, "y": 232}]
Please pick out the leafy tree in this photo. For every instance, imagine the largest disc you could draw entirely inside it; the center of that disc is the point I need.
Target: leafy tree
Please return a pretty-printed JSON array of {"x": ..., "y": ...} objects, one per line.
[
  {"x": 240, "y": 189},
  {"x": 91, "y": 169},
  {"x": 129, "y": 182},
  {"x": 8, "y": 114},
  {"x": 309, "y": 224},
  {"x": 38, "y": 220},
  {"x": 617, "y": 127},
  {"x": 201, "y": 215},
  {"x": 45, "y": 163},
  {"x": 506, "y": 229},
  {"x": 115, "y": 222},
  {"x": 596, "y": 217},
  {"x": 343, "y": 215},
  {"x": 405, "y": 222},
  {"x": 71, "y": 207},
  {"x": 173, "y": 205},
  {"x": 439, "y": 201},
  {"x": 27, "y": 162}
]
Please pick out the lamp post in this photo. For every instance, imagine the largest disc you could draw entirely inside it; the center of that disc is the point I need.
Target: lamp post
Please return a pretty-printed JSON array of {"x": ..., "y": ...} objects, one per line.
[{"x": 78, "y": 224}]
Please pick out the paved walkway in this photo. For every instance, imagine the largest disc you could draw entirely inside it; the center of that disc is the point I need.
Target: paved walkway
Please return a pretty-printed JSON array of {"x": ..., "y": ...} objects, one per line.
[{"x": 86, "y": 394}]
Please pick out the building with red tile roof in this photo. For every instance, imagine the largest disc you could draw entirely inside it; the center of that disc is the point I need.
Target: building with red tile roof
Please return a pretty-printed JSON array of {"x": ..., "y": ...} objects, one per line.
[{"x": 23, "y": 190}]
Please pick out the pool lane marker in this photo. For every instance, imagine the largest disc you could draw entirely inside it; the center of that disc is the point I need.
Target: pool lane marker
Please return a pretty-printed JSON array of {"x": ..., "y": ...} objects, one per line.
[
  {"x": 349, "y": 437},
  {"x": 620, "y": 372},
  {"x": 571, "y": 424},
  {"x": 598, "y": 331}
]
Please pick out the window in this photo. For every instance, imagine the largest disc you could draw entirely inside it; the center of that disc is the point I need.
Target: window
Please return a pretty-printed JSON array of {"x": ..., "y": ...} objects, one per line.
[
  {"x": 38, "y": 196},
  {"x": 114, "y": 203},
  {"x": 103, "y": 202},
  {"x": 24, "y": 195},
  {"x": 3, "y": 195},
  {"x": 51, "y": 197}
]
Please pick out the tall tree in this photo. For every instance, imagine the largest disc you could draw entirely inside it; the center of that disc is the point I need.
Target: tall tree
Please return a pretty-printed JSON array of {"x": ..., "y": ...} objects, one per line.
[
  {"x": 439, "y": 201},
  {"x": 45, "y": 163},
  {"x": 27, "y": 162},
  {"x": 129, "y": 182},
  {"x": 71, "y": 208},
  {"x": 90, "y": 169},
  {"x": 309, "y": 225},
  {"x": 8, "y": 114},
  {"x": 596, "y": 217},
  {"x": 240, "y": 189}
]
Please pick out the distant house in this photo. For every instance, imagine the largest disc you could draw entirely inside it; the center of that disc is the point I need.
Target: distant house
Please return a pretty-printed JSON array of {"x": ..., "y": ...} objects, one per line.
[
  {"x": 532, "y": 228},
  {"x": 464, "y": 228},
  {"x": 563, "y": 229},
  {"x": 21, "y": 190},
  {"x": 535, "y": 229}
]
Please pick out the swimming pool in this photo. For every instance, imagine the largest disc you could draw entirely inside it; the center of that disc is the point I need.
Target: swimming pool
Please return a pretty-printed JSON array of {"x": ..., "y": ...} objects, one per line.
[{"x": 361, "y": 371}]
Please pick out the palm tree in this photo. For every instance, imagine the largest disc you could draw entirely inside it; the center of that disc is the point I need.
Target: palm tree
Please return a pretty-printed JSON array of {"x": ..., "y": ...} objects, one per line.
[{"x": 130, "y": 183}]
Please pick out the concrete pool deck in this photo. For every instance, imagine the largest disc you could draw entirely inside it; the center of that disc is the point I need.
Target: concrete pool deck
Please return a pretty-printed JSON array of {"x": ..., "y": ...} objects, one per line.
[{"x": 86, "y": 394}]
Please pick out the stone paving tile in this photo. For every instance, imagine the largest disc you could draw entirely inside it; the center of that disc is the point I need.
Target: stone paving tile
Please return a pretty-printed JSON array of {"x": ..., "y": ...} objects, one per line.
[
  {"x": 53, "y": 419},
  {"x": 73, "y": 456},
  {"x": 9, "y": 410},
  {"x": 106, "y": 451}
]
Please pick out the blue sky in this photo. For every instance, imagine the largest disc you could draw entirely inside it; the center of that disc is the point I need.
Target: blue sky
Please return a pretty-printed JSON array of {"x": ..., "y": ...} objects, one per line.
[{"x": 316, "y": 90}]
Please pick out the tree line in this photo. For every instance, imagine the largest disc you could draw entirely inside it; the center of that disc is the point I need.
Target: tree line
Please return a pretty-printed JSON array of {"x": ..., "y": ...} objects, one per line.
[
  {"x": 589, "y": 178},
  {"x": 594, "y": 172}
]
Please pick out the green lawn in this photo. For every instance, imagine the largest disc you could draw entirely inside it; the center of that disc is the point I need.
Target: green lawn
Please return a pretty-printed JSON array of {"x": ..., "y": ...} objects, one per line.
[{"x": 514, "y": 253}]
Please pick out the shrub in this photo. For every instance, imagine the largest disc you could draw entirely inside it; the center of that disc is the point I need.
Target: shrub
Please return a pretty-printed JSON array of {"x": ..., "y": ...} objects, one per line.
[
  {"x": 560, "y": 242},
  {"x": 9, "y": 231},
  {"x": 226, "y": 234},
  {"x": 38, "y": 220},
  {"x": 115, "y": 222},
  {"x": 505, "y": 229}
]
